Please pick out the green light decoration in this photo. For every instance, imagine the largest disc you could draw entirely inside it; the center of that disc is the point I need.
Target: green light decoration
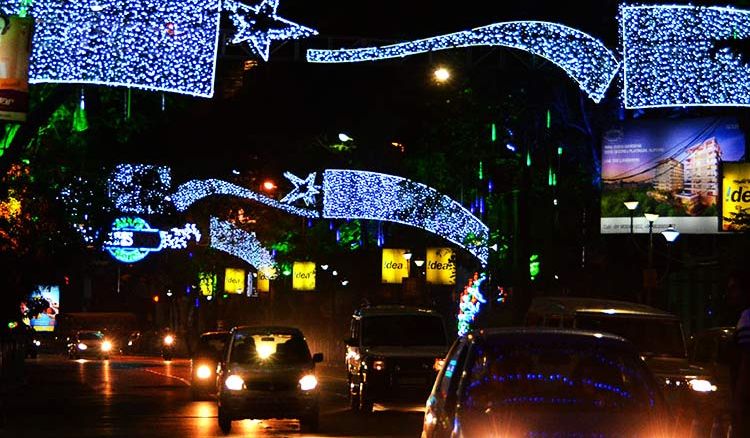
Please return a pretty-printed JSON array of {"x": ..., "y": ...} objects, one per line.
[
  {"x": 549, "y": 119},
  {"x": 528, "y": 159},
  {"x": 284, "y": 246},
  {"x": 534, "y": 266},
  {"x": 493, "y": 136},
  {"x": 11, "y": 129},
  {"x": 23, "y": 8},
  {"x": 12, "y": 325},
  {"x": 286, "y": 269},
  {"x": 480, "y": 174},
  {"x": 80, "y": 121},
  {"x": 559, "y": 151},
  {"x": 552, "y": 178},
  {"x": 350, "y": 235}
]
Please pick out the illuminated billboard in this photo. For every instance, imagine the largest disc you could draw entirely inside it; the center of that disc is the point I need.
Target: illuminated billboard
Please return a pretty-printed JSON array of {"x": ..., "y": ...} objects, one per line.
[
  {"x": 15, "y": 39},
  {"x": 234, "y": 281},
  {"x": 671, "y": 167},
  {"x": 394, "y": 266},
  {"x": 46, "y": 320},
  {"x": 735, "y": 189},
  {"x": 439, "y": 268},
  {"x": 303, "y": 276}
]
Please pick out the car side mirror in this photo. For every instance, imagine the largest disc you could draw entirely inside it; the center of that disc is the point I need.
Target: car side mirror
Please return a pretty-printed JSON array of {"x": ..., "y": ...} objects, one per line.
[{"x": 317, "y": 358}]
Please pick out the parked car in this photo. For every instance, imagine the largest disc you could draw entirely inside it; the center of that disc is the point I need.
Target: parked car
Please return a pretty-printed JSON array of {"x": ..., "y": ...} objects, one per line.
[
  {"x": 545, "y": 383},
  {"x": 393, "y": 353},
  {"x": 656, "y": 334},
  {"x": 89, "y": 343},
  {"x": 203, "y": 363},
  {"x": 268, "y": 372}
]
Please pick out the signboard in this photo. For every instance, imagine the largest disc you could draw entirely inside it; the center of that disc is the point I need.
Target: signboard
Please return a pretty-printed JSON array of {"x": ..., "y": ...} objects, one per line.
[
  {"x": 15, "y": 49},
  {"x": 439, "y": 267},
  {"x": 671, "y": 167},
  {"x": 264, "y": 283},
  {"x": 394, "y": 266},
  {"x": 132, "y": 239},
  {"x": 234, "y": 281},
  {"x": 207, "y": 283},
  {"x": 735, "y": 188},
  {"x": 303, "y": 276},
  {"x": 47, "y": 319}
]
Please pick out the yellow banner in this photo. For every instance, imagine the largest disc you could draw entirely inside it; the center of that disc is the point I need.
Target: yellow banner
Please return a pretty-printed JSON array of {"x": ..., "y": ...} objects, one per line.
[
  {"x": 303, "y": 276},
  {"x": 234, "y": 281},
  {"x": 439, "y": 267},
  {"x": 207, "y": 283},
  {"x": 394, "y": 267},
  {"x": 736, "y": 196},
  {"x": 264, "y": 284}
]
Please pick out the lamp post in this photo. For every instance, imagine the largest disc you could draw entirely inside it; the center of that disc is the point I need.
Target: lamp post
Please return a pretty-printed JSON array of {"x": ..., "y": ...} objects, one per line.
[
  {"x": 651, "y": 218},
  {"x": 671, "y": 234},
  {"x": 631, "y": 205}
]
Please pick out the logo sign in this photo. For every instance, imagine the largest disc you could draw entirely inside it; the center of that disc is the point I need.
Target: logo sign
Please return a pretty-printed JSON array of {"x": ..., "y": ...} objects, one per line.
[
  {"x": 394, "y": 267},
  {"x": 132, "y": 239},
  {"x": 303, "y": 276},
  {"x": 234, "y": 281},
  {"x": 264, "y": 283},
  {"x": 439, "y": 266},
  {"x": 736, "y": 197},
  {"x": 15, "y": 46}
]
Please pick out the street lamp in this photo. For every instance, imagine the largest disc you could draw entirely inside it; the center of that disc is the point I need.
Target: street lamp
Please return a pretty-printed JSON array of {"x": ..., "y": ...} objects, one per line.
[
  {"x": 671, "y": 234},
  {"x": 651, "y": 218},
  {"x": 343, "y": 137},
  {"x": 407, "y": 255},
  {"x": 631, "y": 205},
  {"x": 268, "y": 185},
  {"x": 442, "y": 75},
  {"x": 419, "y": 263}
]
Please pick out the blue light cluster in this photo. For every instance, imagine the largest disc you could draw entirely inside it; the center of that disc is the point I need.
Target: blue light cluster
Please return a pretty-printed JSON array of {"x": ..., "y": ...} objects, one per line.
[
  {"x": 241, "y": 244},
  {"x": 354, "y": 194},
  {"x": 140, "y": 188},
  {"x": 192, "y": 191},
  {"x": 151, "y": 44},
  {"x": 304, "y": 189},
  {"x": 679, "y": 55},
  {"x": 259, "y": 25},
  {"x": 178, "y": 238},
  {"x": 584, "y": 58}
]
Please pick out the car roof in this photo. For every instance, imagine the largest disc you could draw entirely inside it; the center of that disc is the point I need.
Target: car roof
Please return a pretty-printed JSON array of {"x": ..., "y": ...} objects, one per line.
[
  {"x": 529, "y": 333},
  {"x": 259, "y": 330},
  {"x": 573, "y": 305},
  {"x": 393, "y": 310},
  {"x": 216, "y": 333}
]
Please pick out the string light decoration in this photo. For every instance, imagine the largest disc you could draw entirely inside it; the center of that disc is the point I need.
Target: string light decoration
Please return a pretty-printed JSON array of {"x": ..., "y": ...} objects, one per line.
[
  {"x": 149, "y": 44},
  {"x": 140, "y": 188},
  {"x": 178, "y": 238},
  {"x": 132, "y": 239},
  {"x": 584, "y": 58},
  {"x": 259, "y": 25},
  {"x": 192, "y": 191},
  {"x": 470, "y": 303},
  {"x": 304, "y": 189},
  {"x": 353, "y": 194},
  {"x": 679, "y": 55},
  {"x": 246, "y": 246}
]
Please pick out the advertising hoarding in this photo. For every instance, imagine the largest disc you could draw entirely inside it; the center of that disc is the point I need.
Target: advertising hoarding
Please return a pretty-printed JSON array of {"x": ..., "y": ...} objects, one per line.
[
  {"x": 671, "y": 167},
  {"x": 234, "y": 281},
  {"x": 735, "y": 189},
  {"x": 394, "y": 266},
  {"x": 303, "y": 276},
  {"x": 207, "y": 283},
  {"x": 264, "y": 283},
  {"x": 439, "y": 267},
  {"x": 47, "y": 319},
  {"x": 15, "y": 49}
]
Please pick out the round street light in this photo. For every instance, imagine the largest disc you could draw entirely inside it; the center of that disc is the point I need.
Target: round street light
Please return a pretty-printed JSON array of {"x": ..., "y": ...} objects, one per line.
[
  {"x": 268, "y": 185},
  {"x": 442, "y": 75},
  {"x": 671, "y": 234},
  {"x": 344, "y": 138}
]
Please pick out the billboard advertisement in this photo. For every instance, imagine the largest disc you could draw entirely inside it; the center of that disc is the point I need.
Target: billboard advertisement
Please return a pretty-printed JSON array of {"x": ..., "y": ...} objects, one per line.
[
  {"x": 264, "y": 283},
  {"x": 671, "y": 167},
  {"x": 303, "y": 276},
  {"x": 15, "y": 49},
  {"x": 439, "y": 267},
  {"x": 234, "y": 281},
  {"x": 46, "y": 320},
  {"x": 735, "y": 189},
  {"x": 394, "y": 266}
]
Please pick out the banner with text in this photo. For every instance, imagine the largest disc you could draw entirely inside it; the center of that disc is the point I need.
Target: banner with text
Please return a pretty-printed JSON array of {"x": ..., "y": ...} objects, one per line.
[
  {"x": 671, "y": 167},
  {"x": 394, "y": 266},
  {"x": 234, "y": 281},
  {"x": 264, "y": 283},
  {"x": 440, "y": 268},
  {"x": 15, "y": 50},
  {"x": 303, "y": 276},
  {"x": 735, "y": 207}
]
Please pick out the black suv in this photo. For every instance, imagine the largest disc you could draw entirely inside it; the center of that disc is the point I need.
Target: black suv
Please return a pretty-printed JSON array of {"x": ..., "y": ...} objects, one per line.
[{"x": 393, "y": 353}]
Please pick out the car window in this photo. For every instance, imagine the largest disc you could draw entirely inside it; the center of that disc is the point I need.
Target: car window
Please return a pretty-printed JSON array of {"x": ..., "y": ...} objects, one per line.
[
  {"x": 651, "y": 336},
  {"x": 265, "y": 350},
  {"x": 403, "y": 330},
  {"x": 213, "y": 344}
]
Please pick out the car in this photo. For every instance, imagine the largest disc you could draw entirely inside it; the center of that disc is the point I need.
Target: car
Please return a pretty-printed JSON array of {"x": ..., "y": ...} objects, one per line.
[
  {"x": 204, "y": 361},
  {"x": 89, "y": 343},
  {"x": 393, "y": 354},
  {"x": 268, "y": 372},
  {"x": 538, "y": 382},
  {"x": 657, "y": 335}
]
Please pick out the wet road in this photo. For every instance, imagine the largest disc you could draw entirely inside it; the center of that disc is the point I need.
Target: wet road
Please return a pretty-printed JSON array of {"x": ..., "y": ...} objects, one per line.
[{"x": 147, "y": 397}]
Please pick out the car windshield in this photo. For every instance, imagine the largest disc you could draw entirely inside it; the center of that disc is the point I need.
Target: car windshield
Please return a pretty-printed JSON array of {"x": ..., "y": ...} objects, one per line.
[
  {"x": 403, "y": 330},
  {"x": 551, "y": 377},
  {"x": 651, "y": 336},
  {"x": 90, "y": 336},
  {"x": 269, "y": 349},
  {"x": 212, "y": 344}
]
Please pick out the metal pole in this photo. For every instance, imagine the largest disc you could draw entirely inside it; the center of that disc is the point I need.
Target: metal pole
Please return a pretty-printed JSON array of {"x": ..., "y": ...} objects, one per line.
[
  {"x": 631, "y": 222},
  {"x": 650, "y": 244}
]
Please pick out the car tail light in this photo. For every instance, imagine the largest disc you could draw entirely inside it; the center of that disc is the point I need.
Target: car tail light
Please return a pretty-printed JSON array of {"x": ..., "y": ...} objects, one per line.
[{"x": 378, "y": 365}]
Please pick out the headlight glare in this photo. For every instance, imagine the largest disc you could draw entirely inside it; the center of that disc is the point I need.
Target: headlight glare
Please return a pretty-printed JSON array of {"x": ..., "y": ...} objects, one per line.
[
  {"x": 106, "y": 346},
  {"x": 234, "y": 383},
  {"x": 701, "y": 385},
  {"x": 82, "y": 346},
  {"x": 203, "y": 372},
  {"x": 168, "y": 340},
  {"x": 308, "y": 382}
]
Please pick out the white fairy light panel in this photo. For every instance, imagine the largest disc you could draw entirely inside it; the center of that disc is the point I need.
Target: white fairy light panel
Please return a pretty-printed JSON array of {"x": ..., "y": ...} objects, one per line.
[{"x": 237, "y": 242}]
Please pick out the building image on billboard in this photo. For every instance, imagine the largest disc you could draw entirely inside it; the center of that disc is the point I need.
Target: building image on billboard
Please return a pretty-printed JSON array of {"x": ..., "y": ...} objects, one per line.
[{"x": 672, "y": 168}]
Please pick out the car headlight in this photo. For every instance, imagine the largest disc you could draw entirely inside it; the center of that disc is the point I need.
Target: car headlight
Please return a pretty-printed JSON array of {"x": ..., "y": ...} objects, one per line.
[
  {"x": 378, "y": 365},
  {"x": 308, "y": 382},
  {"x": 701, "y": 385},
  {"x": 234, "y": 383},
  {"x": 37, "y": 343},
  {"x": 82, "y": 346},
  {"x": 106, "y": 346},
  {"x": 203, "y": 372}
]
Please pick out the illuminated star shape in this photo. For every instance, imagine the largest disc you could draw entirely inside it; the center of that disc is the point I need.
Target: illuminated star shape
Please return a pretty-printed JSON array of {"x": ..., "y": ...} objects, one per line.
[
  {"x": 304, "y": 189},
  {"x": 259, "y": 25}
]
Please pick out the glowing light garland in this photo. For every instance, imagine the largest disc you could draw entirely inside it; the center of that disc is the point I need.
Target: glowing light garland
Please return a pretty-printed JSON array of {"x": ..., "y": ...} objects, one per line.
[
  {"x": 192, "y": 191},
  {"x": 140, "y": 188},
  {"x": 682, "y": 56},
  {"x": 126, "y": 241},
  {"x": 470, "y": 304},
  {"x": 304, "y": 189},
  {"x": 150, "y": 44},
  {"x": 178, "y": 238},
  {"x": 259, "y": 25},
  {"x": 239, "y": 243},
  {"x": 585, "y": 59},
  {"x": 353, "y": 194}
]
